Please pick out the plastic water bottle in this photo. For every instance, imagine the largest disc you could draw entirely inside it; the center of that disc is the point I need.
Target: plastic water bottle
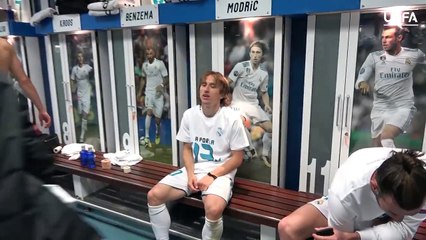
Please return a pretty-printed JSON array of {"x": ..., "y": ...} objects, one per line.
[
  {"x": 83, "y": 156},
  {"x": 91, "y": 158}
]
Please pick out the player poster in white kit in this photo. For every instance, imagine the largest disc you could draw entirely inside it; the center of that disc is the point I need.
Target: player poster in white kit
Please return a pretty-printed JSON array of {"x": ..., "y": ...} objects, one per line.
[
  {"x": 390, "y": 59},
  {"x": 152, "y": 92},
  {"x": 82, "y": 81},
  {"x": 249, "y": 61}
]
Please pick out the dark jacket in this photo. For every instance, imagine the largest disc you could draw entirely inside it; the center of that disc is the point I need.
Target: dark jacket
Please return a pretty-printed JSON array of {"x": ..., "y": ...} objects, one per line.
[{"x": 28, "y": 210}]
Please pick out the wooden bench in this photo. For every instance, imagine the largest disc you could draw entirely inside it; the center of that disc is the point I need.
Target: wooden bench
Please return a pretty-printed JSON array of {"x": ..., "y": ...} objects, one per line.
[{"x": 253, "y": 202}]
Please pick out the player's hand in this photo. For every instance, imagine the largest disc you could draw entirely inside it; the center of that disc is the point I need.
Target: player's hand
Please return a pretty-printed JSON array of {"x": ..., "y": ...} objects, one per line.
[
  {"x": 364, "y": 88},
  {"x": 159, "y": 88},
  {"x": 268, "y": 109},
  {"x": 45, "y": 117},
  {"x": 192, "y": 183},
  {"x": 205, "y": 182},
  {"x": 337, "y": 235}
]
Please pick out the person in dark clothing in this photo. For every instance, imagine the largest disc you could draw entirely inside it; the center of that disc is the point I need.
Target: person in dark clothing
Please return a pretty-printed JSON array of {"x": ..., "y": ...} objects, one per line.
[{"x": 28, "y": 211}]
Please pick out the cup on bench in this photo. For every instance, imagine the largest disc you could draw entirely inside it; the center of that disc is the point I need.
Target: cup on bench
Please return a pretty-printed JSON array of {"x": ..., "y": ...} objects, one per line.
[
  {"x": 106, "y": 164},
  {"x": 126, "y": 169}
]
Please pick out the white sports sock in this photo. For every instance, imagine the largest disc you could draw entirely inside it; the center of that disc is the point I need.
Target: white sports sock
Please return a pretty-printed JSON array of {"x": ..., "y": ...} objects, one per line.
[
  {"x": 83, "y": 129},
  {"x": 212, "y": 230},
  {"x": 104, "y": 13},
  {"x": 388, "y": 142},
  {"x": 267, "y": 143},
  {"x": 160, "y": 221},
  {"x": 147, "y": 125}
]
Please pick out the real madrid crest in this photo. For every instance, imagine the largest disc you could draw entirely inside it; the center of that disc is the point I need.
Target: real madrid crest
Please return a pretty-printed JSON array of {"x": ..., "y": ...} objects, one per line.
[{"x": 408, "y": 61}]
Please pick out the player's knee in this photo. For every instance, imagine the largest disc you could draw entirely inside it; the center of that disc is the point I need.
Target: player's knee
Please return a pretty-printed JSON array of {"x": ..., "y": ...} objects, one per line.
[
  {"x": 287, "y": 228},
  {"x": 213, "y": 211},
  {"x": 155, "y": 196}
]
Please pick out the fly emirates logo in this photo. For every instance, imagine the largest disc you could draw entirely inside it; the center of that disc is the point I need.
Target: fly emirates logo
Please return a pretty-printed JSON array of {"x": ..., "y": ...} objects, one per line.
[{"x": 395, "y": 73}]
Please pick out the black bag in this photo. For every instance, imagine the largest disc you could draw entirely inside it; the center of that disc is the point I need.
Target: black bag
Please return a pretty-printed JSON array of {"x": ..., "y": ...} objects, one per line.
[
  {"x": 73, "y": 6},
  {"x": 50, "y": 141}
]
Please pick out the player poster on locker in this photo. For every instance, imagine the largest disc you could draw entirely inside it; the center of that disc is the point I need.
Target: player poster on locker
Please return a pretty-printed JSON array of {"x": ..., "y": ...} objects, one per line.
[
  {"x": 389, "y": 106},
  {"x": 82, "y": 82},
  {"x": 152, "y": 93},
  {"x": 249, "y": 54}
]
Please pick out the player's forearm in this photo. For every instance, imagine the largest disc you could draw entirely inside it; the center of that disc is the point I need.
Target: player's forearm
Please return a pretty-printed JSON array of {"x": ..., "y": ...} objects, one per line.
[
  {"x": 347, "y": 235},
  {"x": 265, "y": 99},
  {"x": 188, "y": 159},
  {"x": 233, "y": 163},
  {"x": 165, "y": 81},
  {"x": 32, "y": 94},
  {"x": 392, "y": 229}
]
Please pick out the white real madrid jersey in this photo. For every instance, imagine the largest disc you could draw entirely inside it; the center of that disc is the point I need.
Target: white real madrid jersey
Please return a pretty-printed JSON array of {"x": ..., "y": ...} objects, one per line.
[
  {"x": 393, "y": 76},
  {"x": 81, "y": 73},
  {"x": 247, "y": 82},
  {"x": 212, "y": 138},
  {"x": 154, "y": 73}
]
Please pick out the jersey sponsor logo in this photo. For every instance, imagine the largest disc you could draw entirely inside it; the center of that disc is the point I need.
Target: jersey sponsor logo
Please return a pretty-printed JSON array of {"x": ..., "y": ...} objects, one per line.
[
  {"x": 394, "y": 75},
  {"x": 248, "y": 86}
]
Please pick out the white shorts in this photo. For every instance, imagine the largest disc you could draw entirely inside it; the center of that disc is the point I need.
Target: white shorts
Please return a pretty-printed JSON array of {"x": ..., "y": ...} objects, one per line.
[
  {"x": 84, "y": 91},
  {"x": 155, "y": 102},
  {"x": 400, "y": 118},
  {"x": 221, "y": 187},
  {"x": 254, "y": 112},
  {"x": 321, "y": 204}
]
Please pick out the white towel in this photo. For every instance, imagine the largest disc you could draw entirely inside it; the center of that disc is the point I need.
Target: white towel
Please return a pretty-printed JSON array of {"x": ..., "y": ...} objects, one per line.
[
  {"x": 102, "y": 6},
  {"x": 110, "y": 5},
  {"x": 73, "y": 150},
  {"x": 104, "y": 13},
  {"x": 40, "y": 15},
  {"x": 123, "y": 158}
]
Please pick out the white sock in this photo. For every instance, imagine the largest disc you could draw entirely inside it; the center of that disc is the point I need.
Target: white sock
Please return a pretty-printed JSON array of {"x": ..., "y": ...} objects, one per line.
[
  {"x": 160, "y": 221},
  {"x": 212, "y": 230},
  {"x": 267, "y": 143},
  {"x": 388, "y": 143},
  {"x": 147, "y": 125},
  {"x": 83, "y": 128}
]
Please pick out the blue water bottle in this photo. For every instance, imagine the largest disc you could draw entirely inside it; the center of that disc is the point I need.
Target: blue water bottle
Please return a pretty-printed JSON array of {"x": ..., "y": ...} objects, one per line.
[
  {"x": 91, "y": 158},
  {"x": 83, "y": 156}
]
